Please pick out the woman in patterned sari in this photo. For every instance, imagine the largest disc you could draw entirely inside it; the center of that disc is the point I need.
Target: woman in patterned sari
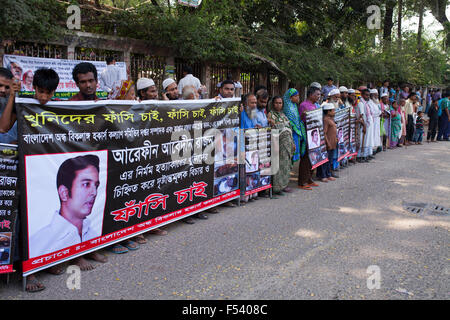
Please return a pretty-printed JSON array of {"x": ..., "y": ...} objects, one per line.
[
  {"x": 290, "y": 108},
  {"x": 286, "y": 146},
  {"x": 396, "y": 125}
]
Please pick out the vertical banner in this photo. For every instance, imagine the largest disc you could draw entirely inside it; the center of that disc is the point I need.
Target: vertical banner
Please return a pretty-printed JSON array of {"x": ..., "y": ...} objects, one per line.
[
  {"x": 97, "y": 173},
  {"x": 317, "y": 150},
  {"x": 342, "y": 119},
  {"x": 257, "y": 160},
  {"x": 9, "y": 203},
  {"x": 353, "y": 150},
  {"x": 24, "y": 67}
]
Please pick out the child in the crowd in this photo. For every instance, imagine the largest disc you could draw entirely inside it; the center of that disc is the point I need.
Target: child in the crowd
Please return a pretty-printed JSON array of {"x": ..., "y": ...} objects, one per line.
[
  {"x": 401, "y": 109},
  {"x": 418, "y": 134},
  {"x": 433, "y": 115},
  {"x": 45, "y": 82},
  {"x": 331, "y": 140}
]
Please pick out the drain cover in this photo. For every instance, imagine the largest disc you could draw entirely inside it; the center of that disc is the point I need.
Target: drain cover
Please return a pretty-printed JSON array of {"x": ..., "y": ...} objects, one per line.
[{"x": 426, "y": 208}]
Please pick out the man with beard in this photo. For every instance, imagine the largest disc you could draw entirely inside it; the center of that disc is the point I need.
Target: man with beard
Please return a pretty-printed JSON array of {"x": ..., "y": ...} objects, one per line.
[
  {"x": 146, "y": 89},
  {"x": 262, "y": 99},
  {"x": 376, "y": 113},
  {"x": 345, "y": 97},
  {"x": 170, "y": 90},
  {"x": 334, "y": 98}
]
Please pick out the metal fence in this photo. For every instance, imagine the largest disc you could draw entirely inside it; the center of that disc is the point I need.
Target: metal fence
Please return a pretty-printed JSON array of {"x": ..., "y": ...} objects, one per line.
[
  {"x": 144, "y": 66},
  {"x": 39, "y": 50}
]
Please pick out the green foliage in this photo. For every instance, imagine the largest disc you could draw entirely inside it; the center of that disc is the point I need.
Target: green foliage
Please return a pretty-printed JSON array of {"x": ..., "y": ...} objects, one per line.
[{"x": 31, "y": 19}]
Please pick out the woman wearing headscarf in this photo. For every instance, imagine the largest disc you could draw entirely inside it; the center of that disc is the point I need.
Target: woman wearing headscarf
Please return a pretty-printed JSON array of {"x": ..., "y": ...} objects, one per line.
[
  {"x": 291, "y": 100},
  {"x": 286, "y": 145},
  {"x": 122, "y": 90}
]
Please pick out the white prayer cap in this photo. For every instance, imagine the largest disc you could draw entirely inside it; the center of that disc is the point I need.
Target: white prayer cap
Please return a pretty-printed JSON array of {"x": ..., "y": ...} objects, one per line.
[
  {"x": 328, "y": 106},
  {"x": 351, "y": 91},
  {"x": 373, "y": 91},
  {"x": 167, "y": 83},
  {"x": 333, "y": 92},
  {"x": 384, "y": 94},
  {"x": 316, "y": 85},
  {"x": 143, "y": 83},
  {"x": 343, "y": 89}
]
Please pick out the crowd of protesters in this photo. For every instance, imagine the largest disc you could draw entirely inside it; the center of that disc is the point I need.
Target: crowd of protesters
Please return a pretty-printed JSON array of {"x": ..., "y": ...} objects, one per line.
[{"x": 387, "y": 117}]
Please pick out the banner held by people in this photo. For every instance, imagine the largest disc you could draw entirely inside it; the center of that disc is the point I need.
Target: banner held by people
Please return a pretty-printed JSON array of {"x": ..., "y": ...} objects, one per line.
[
  {"x": 9, "y": 200},
  {"x": 96, "y": 173},
  {"x": 342, "y": 119},
  {"x": 317, "y": 149}
]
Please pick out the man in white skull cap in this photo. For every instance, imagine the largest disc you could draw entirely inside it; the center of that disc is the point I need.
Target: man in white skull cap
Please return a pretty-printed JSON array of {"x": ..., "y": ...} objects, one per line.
[
  {"x": 170, "y": 90},
  {"x": 146, "y": 89}
]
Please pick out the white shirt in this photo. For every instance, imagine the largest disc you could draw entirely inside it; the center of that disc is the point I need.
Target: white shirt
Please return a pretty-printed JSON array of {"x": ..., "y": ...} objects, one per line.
[
  {"x": 189, "y": 80},
  {"x": 108, "y": 76},
  {"x": 57, "y": 235}
]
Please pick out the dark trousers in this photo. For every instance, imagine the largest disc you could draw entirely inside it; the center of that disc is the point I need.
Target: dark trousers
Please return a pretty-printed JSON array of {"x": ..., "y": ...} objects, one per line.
[
  {"x": 324, "y": 171},
  {"x": 432, "y": 128},
  {"x": 304, "y": 170},
  {"x": 410, "y": 128},
  {"x": 443, "y": 124}
]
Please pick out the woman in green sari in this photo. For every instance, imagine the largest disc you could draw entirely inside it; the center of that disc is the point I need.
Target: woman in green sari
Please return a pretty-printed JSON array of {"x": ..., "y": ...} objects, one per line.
[
  {"x": 396, "y": 125},
  {"x": 285, "y": 147}
]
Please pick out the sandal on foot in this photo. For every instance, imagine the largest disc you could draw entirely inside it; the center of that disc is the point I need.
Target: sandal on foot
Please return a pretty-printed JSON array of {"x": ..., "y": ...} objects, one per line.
[
  {"x": 158, "y": 232},
  {"x": 305, "y": 187},
  {"x": 212, "y": 210},
  {"x": 140, "y": 239},
  {"x": 117, "y": 249},
  {"x": 130, "y": 245},
  {"x": 56, "y": 270},
  {"x": 33, "y": 285}
]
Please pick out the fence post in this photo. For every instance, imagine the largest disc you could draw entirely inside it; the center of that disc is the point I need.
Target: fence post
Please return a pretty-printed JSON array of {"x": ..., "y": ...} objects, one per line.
[
  {"x": 2, "y": 52},
  {"x": 206, "y": 73},
  {"x": 127, "y": 60},
  {"x": 71, "y": 51}
]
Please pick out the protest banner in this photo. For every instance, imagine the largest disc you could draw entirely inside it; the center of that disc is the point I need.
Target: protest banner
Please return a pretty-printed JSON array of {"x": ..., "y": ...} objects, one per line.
[
  {"x": 353, "y": 150},
  {"x": 9, "y": 200},
  {"x": 24, "y": 67},
  {"x": 342, "y": 119},
  {"x": 317, "y": 150},
  {"x": 257, "y": 160},
  {"x": 126, "y": 167}
]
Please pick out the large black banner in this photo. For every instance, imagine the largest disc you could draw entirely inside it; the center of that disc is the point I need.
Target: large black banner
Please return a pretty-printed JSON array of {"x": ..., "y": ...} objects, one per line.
[
  {"x": 9, "y": 201},
  {"x": 98, "y": 172}
]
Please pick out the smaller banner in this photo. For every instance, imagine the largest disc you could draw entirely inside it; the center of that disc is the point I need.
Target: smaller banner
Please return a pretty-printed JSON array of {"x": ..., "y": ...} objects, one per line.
[
  {"x": 353, "y": 150},
  {"x": 257, "y": 160},
  {"x": 317, "y": 149},
  {"x": 9, "y": 201},
  {"x": 24, "y": 67},
  {"x": 342, "y": 119}
]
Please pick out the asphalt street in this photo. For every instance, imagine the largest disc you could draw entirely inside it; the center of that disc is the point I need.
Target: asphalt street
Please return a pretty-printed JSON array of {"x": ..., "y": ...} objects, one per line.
[{"x": 328, "y": 243}]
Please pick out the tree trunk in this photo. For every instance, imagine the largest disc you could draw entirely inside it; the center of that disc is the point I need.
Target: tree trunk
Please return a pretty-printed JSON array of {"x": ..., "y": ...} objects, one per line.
[
  {"x": 399, "y": 23},
  {"x": 420, "y": 30},
  {"x": 438, "y": 8},
  {"x": 388, "y": 23}
]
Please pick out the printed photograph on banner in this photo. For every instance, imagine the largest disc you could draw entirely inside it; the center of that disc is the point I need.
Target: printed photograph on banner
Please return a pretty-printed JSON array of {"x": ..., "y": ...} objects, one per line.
[
  {"x": 264, "y": 181},
  {"x": 65, "y": 199},
  {"x": 5, "y": 247},
  {"x": 225, "y": 159},
  {"x": 253, "y": 181},
  {"x": 314, "y": 139},
  {"x": 226, "y": 184},
  {"x": 251, "y": 161}
]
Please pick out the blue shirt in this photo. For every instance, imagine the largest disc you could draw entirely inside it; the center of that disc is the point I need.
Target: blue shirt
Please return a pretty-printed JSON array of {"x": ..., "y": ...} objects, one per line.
[
  {"x": 246, "y": 122},
  {"x": 326, "y": 89},
  {"x": 11, "y": 135},
  {"x": 261, "y": 118}
]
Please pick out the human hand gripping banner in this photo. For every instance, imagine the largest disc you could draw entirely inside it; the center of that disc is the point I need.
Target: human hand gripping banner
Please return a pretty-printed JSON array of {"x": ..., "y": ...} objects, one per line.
[
  {"x": 317, "y": 149},
  {"x": 95, "y": 173}
]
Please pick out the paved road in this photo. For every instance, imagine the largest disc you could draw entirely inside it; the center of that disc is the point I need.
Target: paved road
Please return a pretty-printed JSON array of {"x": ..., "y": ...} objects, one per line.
[{"x": 307, "y": 245}]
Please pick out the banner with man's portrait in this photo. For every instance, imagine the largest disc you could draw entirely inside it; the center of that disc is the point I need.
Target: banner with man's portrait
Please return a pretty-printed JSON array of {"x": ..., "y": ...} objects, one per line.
[
  {"x": 96, "y": 173},
  {"x": 257, "y": 160},
  {"x": 317, "y": 149},
  {"x": 342, "y": 119}
]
